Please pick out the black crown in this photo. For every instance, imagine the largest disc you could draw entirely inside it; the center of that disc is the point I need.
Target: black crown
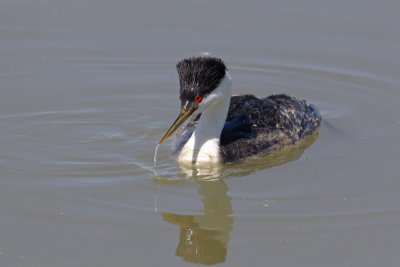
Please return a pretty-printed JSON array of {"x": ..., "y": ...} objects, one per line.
[{"x": 199, "y": 76}]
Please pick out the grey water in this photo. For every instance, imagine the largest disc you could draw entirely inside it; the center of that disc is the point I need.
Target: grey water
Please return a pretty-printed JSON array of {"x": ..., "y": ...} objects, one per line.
[{"x": 88, "y": 88}]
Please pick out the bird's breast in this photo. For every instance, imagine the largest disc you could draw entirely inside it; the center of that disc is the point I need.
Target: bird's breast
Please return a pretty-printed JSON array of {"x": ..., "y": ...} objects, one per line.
[{"x": 200, "y": 152}]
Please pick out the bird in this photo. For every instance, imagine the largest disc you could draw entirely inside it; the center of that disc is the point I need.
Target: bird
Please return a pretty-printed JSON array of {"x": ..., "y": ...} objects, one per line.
[{"x": 221, "y": 128}]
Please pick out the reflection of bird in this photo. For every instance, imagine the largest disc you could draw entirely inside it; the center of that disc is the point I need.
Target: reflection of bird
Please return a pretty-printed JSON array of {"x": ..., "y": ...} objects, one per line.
[
  {"x": 227, "y": 129},
  {"x": 197, "y": 244},
  {"x": 204, "y": 238}
]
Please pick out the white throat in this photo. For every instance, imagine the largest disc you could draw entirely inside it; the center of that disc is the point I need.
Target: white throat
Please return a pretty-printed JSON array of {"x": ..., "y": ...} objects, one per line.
[{"x": 204, "y": 144}]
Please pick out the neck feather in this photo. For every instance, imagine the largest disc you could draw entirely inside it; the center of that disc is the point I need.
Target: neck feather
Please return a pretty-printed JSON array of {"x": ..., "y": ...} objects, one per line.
[{"x": 204, "y": 144}]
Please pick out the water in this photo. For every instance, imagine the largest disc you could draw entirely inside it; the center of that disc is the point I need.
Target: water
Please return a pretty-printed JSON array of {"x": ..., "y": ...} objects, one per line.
[{"x": 88, "y": 88}]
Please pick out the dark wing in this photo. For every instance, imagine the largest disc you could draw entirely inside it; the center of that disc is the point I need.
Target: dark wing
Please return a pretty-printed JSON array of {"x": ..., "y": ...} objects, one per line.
[{"x": 255, "y": 126}]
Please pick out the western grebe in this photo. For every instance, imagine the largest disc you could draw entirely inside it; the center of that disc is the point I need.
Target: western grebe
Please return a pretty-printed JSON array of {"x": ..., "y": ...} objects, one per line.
[{"x": 224, "y": 128}]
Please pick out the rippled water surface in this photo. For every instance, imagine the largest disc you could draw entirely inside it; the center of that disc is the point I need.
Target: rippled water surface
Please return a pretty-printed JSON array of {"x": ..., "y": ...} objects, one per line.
[{"x": 88, "y": 88}]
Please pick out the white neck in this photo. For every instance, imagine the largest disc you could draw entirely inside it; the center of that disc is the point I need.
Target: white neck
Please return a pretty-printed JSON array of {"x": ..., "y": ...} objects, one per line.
[{"x": 204, "y": 144}]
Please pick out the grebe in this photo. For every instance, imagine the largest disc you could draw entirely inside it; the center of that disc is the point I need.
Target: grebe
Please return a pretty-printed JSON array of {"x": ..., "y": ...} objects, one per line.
[{"x": 224, "y": 128}]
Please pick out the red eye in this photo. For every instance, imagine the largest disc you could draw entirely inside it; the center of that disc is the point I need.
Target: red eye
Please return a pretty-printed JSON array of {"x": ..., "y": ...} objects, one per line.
[
  {"x": 198, "y": 99},
  {"x": 180, "y": 98}
]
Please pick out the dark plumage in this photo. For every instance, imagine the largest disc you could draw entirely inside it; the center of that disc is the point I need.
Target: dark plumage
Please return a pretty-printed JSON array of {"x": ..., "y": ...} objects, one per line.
[
  {"x": 260, "y": 126},
  {"x": 265, "y": 125}
]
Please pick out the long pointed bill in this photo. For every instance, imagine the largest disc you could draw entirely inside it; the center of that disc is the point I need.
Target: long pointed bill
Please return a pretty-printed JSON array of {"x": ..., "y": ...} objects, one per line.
[{"x": 183, "y": 115}]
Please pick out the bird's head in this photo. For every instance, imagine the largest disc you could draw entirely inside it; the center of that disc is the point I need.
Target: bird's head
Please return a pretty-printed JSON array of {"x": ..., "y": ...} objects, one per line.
[{"x": 204, "y": 82}]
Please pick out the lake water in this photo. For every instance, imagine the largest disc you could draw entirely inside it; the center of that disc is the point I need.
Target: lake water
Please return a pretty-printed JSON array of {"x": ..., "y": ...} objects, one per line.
[{"x": 88, "y": 88}]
